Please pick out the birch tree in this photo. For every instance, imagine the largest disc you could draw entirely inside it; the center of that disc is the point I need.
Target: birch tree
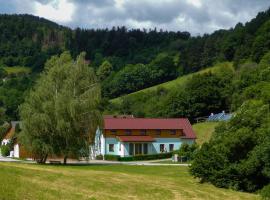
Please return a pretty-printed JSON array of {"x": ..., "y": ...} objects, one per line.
[{"x": 60, "y": 115}]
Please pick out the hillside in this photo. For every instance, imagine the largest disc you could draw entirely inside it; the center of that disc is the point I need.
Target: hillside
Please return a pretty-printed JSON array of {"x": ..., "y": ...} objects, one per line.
[
  {"x": 171, "y": 85},
  {"x": 171, "y": 99},
  {"x": 126, "y": 60},
  {"x": 204, "y": 131},
  {"x": 94, "y": 182}
]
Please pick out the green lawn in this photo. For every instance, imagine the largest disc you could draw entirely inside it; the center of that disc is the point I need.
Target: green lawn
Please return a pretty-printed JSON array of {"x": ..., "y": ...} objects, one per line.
[
  {"x": 18, "y": 70},
  {"x": 179, "y": 82},
  {"x": 204, "y": 131},
  {"x": 30, "y": 181}
]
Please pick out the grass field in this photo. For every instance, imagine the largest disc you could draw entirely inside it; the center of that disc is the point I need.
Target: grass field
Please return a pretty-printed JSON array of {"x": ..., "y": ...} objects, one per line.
[
  {"x": 204, "y": 131},
  {"x": 179, "y": 82},
  {"x": 17, "y": 70},
  {"x": 30, "y": 181}
]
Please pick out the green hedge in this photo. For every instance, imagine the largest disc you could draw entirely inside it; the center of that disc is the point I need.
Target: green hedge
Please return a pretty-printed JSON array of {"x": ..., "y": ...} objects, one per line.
[
  {"x": 112, "y": 157},
  {"x": 5, "y": 150},
  {"x": 139, "y": 157}
]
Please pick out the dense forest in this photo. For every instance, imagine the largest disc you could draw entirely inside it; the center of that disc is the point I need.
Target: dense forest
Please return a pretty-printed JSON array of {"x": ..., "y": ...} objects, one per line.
[{"x": 125, "y": 60}]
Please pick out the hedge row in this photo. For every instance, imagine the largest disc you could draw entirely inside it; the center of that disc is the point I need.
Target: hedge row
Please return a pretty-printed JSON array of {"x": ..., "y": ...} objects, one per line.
[{"x": 138, "y": 157}]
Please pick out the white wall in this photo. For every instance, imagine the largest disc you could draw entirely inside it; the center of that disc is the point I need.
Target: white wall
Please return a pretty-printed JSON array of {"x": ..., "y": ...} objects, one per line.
[
  {"x": 16, "y": 151},
  {"x": 5, "y": 141}
]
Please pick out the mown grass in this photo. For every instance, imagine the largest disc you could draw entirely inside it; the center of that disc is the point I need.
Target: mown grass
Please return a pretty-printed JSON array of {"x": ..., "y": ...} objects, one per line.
[
  {"x": 179, "y": 82},
  {"x": 30, "y": 181},
  {"x": 204, "y": 131},
  {"x": 18, "y": 70}
]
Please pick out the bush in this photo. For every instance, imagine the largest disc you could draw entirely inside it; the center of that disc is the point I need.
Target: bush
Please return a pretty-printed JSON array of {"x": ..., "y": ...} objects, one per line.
[
  {"x": 265, "y": 192},
  {"x": 238, "y": 154},
  {"x": 139, "y": 157},
  {"x": 188, "y": 151},
  {"x": 5, "y": 150},
  {"x": 112, "y": 157},
  {"x": 99, "y": 157}
]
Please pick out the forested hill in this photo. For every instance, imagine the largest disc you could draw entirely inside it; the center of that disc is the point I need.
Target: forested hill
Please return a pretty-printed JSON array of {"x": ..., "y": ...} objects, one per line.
[
  {"x": 27, "y": 40},
  {"x": 125, "y": 60}
]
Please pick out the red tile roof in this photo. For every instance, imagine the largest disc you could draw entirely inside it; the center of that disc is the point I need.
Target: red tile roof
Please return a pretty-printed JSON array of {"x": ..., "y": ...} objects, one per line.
[
  {"x": 137, "y": 138},
  {"x": 151, "y": 124},
  {"x": 9, "y": 134}
]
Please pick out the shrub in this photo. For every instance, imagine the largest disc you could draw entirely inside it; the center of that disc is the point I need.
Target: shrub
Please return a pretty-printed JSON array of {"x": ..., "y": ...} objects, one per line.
[
  {"x": 5, "y": 149},
  {"x": 265, "y": 192},
  {"x": 139, "y": 157},
  {"x": 99, "y": 157},
  {"x": 112, "y": 157},
  {"x": 237, "y": 156},
  {"x": 188, "y": 151}
]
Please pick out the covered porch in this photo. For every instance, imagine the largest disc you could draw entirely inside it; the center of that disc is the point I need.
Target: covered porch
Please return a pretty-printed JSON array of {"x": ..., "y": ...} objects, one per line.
[{"x": 136, "y": 145}]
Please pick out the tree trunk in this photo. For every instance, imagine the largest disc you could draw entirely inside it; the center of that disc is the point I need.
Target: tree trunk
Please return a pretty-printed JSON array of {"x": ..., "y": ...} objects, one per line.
[
  {"x": 65, "y": 160},
  {"x": 45, "y": 159}
]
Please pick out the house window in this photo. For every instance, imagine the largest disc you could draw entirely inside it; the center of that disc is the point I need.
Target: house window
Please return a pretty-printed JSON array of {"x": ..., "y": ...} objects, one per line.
[
  {"x": 158, "y": 132},
  {"x": 161, "y": 147},
  {"x": 145, "y": 148},
  {"x": 113, "y": 132},
  {"x": 171, "y": 147},
  {"x": 128, "y": 132},
  {"x": 173, "y": 132},
  {"x": 111, "y": 147},
  {"x": 143, "y": 132}
]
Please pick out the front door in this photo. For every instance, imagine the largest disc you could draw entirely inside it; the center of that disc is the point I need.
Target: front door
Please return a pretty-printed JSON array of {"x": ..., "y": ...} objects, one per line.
[
  {"x": 138, "y": 148},
  {"x": 145, "y": 148}
]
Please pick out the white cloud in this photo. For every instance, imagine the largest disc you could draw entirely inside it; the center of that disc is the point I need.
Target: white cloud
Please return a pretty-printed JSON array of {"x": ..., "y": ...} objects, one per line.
[
  {"x": 195, "y": 16},
  {"x": 60, "y": 11},
  {"x": 196, "y": 3}
]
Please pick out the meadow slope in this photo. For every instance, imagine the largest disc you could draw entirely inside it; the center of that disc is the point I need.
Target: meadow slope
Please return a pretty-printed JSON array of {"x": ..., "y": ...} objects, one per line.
[{"x": 31, "y": 181}]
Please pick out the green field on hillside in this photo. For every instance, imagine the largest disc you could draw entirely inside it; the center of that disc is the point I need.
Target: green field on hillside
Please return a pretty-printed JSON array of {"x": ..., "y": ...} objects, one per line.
[
  {"x": 179, "y": 82},
  {"x": 204, "y": 131},
  {"x": 18, "y": 70},
  {"x": 31, "y": 181},
  {"x": 153, "y": 101}
]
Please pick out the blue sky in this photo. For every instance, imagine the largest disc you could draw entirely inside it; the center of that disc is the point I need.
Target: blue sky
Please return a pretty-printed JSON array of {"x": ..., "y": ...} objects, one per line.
[{"x": 195, "y": 16}]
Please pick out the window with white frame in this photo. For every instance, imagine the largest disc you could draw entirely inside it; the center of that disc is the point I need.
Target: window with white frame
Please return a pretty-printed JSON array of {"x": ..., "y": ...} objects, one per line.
[{"x": 111, "y": 147}]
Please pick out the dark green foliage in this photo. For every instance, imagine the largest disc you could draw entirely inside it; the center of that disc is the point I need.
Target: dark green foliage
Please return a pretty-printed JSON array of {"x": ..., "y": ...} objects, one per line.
[
  {"x": 104, "y": 70},
  {"x": 202, "y": 94},
  {"x": 111, "y": 157},
  {"x": 3, "y": 73},
  {"x": 135, "y": 77},
  {"x": 12, "y": 94},
  {"x": 265, "y": 192},
  {"x": 30, "y": 41},
  {"x": 5, "y": 149},
  {"x": 139, "y": 157},
  {"x": 237, "y": 156},
  {"x": 187, "y": 151}
]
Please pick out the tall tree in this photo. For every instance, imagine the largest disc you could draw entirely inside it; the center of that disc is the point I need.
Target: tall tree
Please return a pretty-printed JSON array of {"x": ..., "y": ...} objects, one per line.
[
  {"x": 60, "y": 115},
  {"x": 104, "y": 70}
]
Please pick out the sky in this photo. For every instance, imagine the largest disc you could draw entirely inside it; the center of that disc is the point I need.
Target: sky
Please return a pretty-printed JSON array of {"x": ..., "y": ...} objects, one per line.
[{"x": 194, "y": 16}]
